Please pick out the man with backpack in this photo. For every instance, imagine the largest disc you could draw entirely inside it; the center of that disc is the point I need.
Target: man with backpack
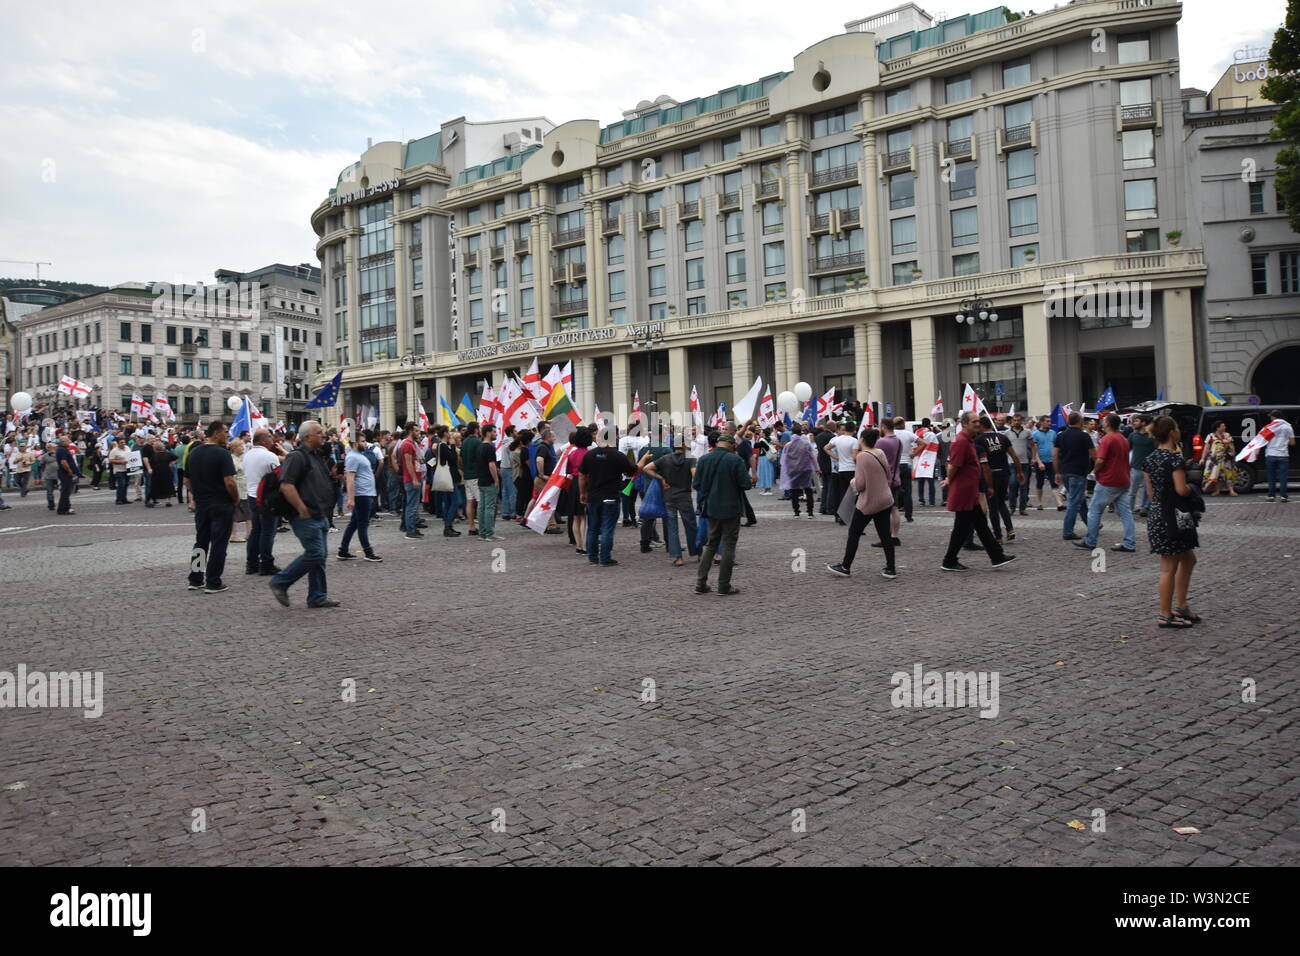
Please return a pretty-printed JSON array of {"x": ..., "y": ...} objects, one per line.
[{"x": 306, "y": 487}]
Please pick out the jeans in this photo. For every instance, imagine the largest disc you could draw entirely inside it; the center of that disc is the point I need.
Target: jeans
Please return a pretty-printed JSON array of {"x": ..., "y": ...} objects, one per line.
[
  {"x": 119, "y": 482},
  {"x": 723, "y": 533},
  {"x": 51, "y": 486},
  {"x": 839, "y": 486},
  {"x": 1019, "y": 490},
  {"x": 66, "y": 481},
  {"x": 602, "y": 517},
  {"x": 445, "y": 504},
  {"x": 487, "y": 510},
  {"x": 905, "y": 489},
  {"x": 858, "y": 525},
  {"x": 828, "y": 492},
  {"x": 998, "y": 505},
  {"x": 1137, "y": 482},
  {"x": 312, "y": 534},
  {"x": 963, "y": 523},
  {"x": 507, "y": 490},
  {"x": 923, "y": 483},
  {"x": 212, "y": 523},
  {"x": 359, "y": 525},
  {"x": 396, "y": 498},
  {"x": 1075, "y": 485},
  {"x": 628, "y": 502},
  {"x": 674, "y": 542},
  {"x": 1106, "y": 495},
  {"x": 1275, "y": 468},
  {"x": 411, "y": 506},
  {"x": 261, "y": 540}
]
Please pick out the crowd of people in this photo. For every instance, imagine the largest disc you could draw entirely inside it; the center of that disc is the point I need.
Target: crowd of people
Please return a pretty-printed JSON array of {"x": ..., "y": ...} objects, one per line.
[{"x": 684, "y": 490}]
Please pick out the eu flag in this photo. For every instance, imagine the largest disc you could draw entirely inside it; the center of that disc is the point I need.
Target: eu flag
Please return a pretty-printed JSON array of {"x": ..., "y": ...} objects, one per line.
[
  {"x": 328, "y": 396},
  {"x": 1058, "y": 418},
  {"x": 1107, "y": 399}
]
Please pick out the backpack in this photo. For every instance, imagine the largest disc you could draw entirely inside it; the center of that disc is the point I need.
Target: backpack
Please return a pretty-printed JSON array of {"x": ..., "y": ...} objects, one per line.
[{"x": 270, "y": 497}]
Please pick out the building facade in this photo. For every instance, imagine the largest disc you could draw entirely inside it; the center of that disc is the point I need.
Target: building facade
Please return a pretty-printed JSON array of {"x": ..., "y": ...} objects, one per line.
[
  {"x": 824, "y": 224},
  {"x": 1252, "y": 290}
]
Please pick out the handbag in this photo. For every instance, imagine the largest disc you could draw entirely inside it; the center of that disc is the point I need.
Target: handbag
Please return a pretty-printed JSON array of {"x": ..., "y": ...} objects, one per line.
[
  {"x": 652, "y": 503},
  {"x": 442, "y": 475}
]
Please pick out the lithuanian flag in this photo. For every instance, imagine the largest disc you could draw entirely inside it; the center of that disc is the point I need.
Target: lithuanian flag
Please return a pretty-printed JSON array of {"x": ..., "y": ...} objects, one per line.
[{"x": 558, "y": 403}]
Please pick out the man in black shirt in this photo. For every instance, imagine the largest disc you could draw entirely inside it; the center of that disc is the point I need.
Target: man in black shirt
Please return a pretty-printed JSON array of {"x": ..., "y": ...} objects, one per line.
[
  {"x": 821, "y": 438},
  {"x": 1072, "y": 457},
  {"x": 745, "y": 449},
  {"x": 213, "y": 494},
  {"x": 997, "y": 447},
  {"x": 601, "y": 477},
  {"x": 485, "y": 455},
  {"x": 308, "y": 487}
]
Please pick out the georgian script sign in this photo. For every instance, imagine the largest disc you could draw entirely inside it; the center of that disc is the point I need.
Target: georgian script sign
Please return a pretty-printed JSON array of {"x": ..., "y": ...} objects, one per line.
[
  {"x": 385, "y": 186},
  {"x": 487, "y": 351}
]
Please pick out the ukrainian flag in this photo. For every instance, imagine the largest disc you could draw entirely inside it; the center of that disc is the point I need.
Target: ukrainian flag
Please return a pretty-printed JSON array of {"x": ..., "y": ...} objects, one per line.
[
  {"x": 445, "y": 417},
  {"x": 465, "y": 411},
  {"x": 1213, "y": 397}
]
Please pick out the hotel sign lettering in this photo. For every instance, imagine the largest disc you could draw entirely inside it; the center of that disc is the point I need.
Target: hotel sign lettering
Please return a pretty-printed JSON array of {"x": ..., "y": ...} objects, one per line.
[
  {"x": 983, "y": 350},
  {"x": 385, "y": 186},
  {"x": 487, "y": 351}
]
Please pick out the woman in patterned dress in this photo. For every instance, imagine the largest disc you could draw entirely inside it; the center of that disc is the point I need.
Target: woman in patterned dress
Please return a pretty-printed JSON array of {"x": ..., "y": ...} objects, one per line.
[
  {"x": 1166, "y": 478},
  {"x": 1218, "y": 461}
]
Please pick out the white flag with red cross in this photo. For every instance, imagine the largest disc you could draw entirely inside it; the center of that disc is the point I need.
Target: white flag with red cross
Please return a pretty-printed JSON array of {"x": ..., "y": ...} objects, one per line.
[
  {"x": 548, "y": 501},
  {"x": 636, "y": 406},
  {"x": 424, "y": 416},
  {"x": 924, "y": 464},
  {"x": 533, "y": 383},
  {"x": 139, "y": 407},
  {"x": 163, "y": 408},
  {"x": 1256, "y": 444},
  {"x": 936, "y": 411},
  {"x": 766, "y": 410},
  {"x": 520, "y": 408},
  {"x": 697, "y": 414},
  {"x": 826, "y": 404}
]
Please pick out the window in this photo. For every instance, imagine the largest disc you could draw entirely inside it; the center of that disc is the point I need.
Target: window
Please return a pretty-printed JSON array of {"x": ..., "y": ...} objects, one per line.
[
  {"x": 965, "y": 226},
  {"x": 1135, "y": 92},
  {"x": 205, "y": 406},
  {"x": 966, "y": 265},
  {"x": 1022, "y": 168},
  {"x": 498, "y": 208},
  {"x": 1258, "y": 279},
  {"x": 903, "y": 272},
  {"x": 654, "y": 201},
  {"x": 902, "y": 190},
  {"x": 146, "y": 333},
  {"x": 1023, "y": 215},
  {"x": 694, "y": 273},
  {"x": 126, "y": 365},
  {"x": 1290, "y": 262},
  {"x": 524, "y": 199},
  {"x": 738, "y": 299},
  {"x": 170, "y": 335},
  {"x": 834, "y": 121},
  {"x": 658, "y": 310},
  {"x": 691, "y": 191},
  {"x": 850, "y": 198},
  {"x": 187, "y": 368},
  {"x": 902, "y": 233},
  {"x": 963, "y": 180},
  {"x": 731, "y": 147},
  {"x": 960, "y": 128},
  {"x": 203, "y": 368},
  {"x": 691, "y": 158},
  {"x": 617, "y": 316},
  {"x": 1142, "y": 240},
  {"x": 898, "y": 100},
  {"x": 293, "y": 333},
  {"x": 657, "y": 280},
  {"x": 836, "y": 157},
  {"x": 695, "y": 306},
  {"x": 769, "y": 134},
  {"x": 734, "y": 223},
  {"x": 1134, "y": 48},
  {"x": 527, "y": 303},
  {"x": 227, "y": 371},
  {"x": 568, "y": 192},
  {"x": 1020, "y": 254},
  {"x": 614, "y": 176},
  {"x": 526, "y": 268},
  {"x": 957, "y": 88},
  {"x": 473, "y": 216},
  {"x": 617, "y": 286},
  {"x": 474, "y": 282},
  {"x": 1139, "y": 147},
  {"x": 243, "y": 341},
  {"x": 774, "y": 259},
  {"x": 1015, "y": 73},
  {"x": 654, "y": 241},
  {"x": 736, "y": 266},
  {"x": 189, "y": 405},
  {"x": 899, "y": 140},
  {"x": 985, "y": 377},
  {"x": 243, "y": 372},
  {"x": 171, "y": 368},
  {"x": 226, "y": 339},
  {"x": 124, "y": 333},
  {"x": 694, "y": 235},
  {"x": 774, "y": 291},
  {"x": 1256, "y": 198},
  {"x": 266, "y": 342},
  {"x": 773, "y": 218},
  {"x": 614, "y": 255},
  {"x": 1140, "y": 199},
  {"x": 146, "y": 363},
  {"x": 1018, "y": 114},
  {"x": 731, "y": 182}
]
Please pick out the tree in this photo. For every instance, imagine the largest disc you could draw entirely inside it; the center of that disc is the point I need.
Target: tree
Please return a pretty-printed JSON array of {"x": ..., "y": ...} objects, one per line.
[{"x": 1283, "y": 88}]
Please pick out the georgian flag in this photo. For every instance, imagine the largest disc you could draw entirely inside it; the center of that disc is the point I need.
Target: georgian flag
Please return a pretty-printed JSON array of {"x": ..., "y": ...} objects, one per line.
[
  {"x": 139, "y": 407},
  {"x": 719, "y": 417},
  {"x": 1256, "y": 444},
  {"x": 923, "y": 465},
  {"x": 970, "y": 402},
  {"x": 487, "y": 405},
  {"x": 520, "y": 408},
  {"x": 766, "y": 410},
  {"x": 547, "y": 501},
  {"x": 697, "y": 416},
  {"x": 868, "y": 416},
  {"x": 424, "y": 416},
  {"x": 826, "y": 404},
  {"x": 163, "y": 408},
  {"x": 533, "y": 384},
  {"x": 636, "y": 406},
  {"x": 70, "y": 386},
  {"x": 936, "y": 413}
]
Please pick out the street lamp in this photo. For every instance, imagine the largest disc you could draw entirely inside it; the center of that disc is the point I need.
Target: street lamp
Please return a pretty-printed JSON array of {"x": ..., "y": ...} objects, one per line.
[
  {"x": 650, "y": 337},
  {"x": 973, "y": 308}
]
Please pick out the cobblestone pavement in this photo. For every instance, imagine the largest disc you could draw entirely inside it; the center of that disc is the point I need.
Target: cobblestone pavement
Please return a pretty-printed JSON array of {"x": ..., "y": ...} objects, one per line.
[{"x": 521, "y": 693}]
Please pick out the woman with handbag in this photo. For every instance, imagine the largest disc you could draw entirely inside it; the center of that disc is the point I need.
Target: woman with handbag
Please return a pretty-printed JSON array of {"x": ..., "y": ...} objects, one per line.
[
  {"x": 443, "y": 460},
  {"x": 766, "y": 451},
  {"x": 875, "y": 502},
  {"x": 1171, "y": 522}
]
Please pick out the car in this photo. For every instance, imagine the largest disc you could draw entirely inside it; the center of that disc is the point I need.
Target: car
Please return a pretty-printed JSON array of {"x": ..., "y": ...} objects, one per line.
[{"x": 1197, "y": 422}]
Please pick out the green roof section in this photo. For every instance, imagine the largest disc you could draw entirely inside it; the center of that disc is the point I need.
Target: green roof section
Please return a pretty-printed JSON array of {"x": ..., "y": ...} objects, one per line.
[
  {"x": 426, "y": 150},
  {"x": 495, "y": 168},
  {"x": 733, "y": 96},
  {"x": 943, "y": 32}
]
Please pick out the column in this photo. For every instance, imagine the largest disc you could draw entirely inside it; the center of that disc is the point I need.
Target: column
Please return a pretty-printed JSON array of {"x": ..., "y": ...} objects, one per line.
[
  {"x": 584, "y": 384},
  {"x": 778, "y": 348},
  {"x": 1180, "y": 347},
  {"x": 742, "y": 369},
  {"x": 597, "y": 311},
  {"x": 441, "y": 387},
  {"x": 794, "y": 209},
  {"x": 541, "y": 244},
  {"x": 925, "y": 372},
  {"x": 871, "y": 199},
  {"x": 353, "y": 292},
  {"x": 388, "y": 411},
  {"x": 875, "y": 365},
  {"x": 1038, "y": 362},
  {"x": 401, "y": 291},
  {"x": 413, "y": 400},
  {"x": 791, "y": 359},
  {"x": 861, "y": 371},
  {"x": 679, "y": 385},
  {"x": 621, "y": 382}
]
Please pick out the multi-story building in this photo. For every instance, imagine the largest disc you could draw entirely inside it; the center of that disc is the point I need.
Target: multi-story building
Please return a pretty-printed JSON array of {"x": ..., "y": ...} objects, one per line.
[
  {"x": 197, "y": 347},
  {"x": 1251, "y": 320},
  {"x": 14, "y": 304},
  {"x": 826, "y": 224}
]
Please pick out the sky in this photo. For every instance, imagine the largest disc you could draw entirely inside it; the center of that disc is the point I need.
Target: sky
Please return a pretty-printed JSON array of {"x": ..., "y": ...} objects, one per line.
[{"x": 161, "y": 141}]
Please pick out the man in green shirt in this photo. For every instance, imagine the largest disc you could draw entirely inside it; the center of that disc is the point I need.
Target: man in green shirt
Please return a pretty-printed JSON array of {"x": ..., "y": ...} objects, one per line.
[
  {"x": 1142, "y": 444},
  {"x": 469, "y": 471},
  {"x": 721, "y": 478}
]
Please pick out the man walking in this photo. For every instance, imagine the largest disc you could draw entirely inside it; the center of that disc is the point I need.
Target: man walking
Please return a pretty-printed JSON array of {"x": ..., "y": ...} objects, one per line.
[
  {"x": 1023, "y": 445},
  {"x": 1072, "y": 457},
  {"x": 307, "y": 486},
  {"x": 259, "y": 461},
  {"x": 489, "y": 481},
  {"x": 1277, "y": 456},
  {"x": 1112, "y": 474},
  {"x": 360, "y": 499},
  {"x": 1044, "y": 439},
  {"x": 963, "y": 486},
  {"x": 213, "y": 494},
  {"x": 721, "y": 478},
  {"x": 601, "y": 476},
  {"x": 906, "y": 440}
]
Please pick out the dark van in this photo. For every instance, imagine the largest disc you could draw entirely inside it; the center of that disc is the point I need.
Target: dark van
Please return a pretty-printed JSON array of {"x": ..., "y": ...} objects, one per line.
[{"x": 1197, "y": 422}]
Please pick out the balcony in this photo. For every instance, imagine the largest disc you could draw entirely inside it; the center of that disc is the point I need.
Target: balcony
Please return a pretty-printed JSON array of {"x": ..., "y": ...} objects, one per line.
[
  {"x": 571, "y": 272},
  {"x": 689, "y": 210},
  {"x": 769, "y": 189},
  {"x": 416, "y": 250},
  {"x": 568, "y": 307},
  {"x": 899, "y": 159},
  {"x": 1015, "y": 136},
  {"x": 382, "y": 295},
  {"x": 524, "y": 246},
  {"x": 837, "y": 219},
  {"x": 851, "y": 216},
  {"x": 845, "y": 260},
  {"x": 611, "y": 224},
  {"x": 297, "y": 346},
  {"x": 1137, "y": 115},
  {"x": 568, "y": 237},
  {"x": 730, "y": 200},
  {"x": 959, "y": 148},
  {"x": 829, "y": 177},
  {"x": 497, "y": 252},
  {"x": 651, "y": 217},
  {"x": 189, "y": 348},
  {"x": 378, "y": 257}
]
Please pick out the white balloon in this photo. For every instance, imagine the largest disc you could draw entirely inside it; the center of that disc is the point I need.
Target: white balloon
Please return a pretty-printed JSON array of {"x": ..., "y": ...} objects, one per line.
[
  {"x": 803, "y": 391},
  {"x": 20, "y": 401},
  {"x": 788, "y": 402},
  {"x": 235, "y": 403}
]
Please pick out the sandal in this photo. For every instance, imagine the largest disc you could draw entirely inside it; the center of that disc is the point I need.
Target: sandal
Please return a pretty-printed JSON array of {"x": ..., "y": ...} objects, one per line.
[
  {"x": 1187, "y": 615},
  {"x": 678, "y": 562},
  {"x": 1174, "y": 621}
]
